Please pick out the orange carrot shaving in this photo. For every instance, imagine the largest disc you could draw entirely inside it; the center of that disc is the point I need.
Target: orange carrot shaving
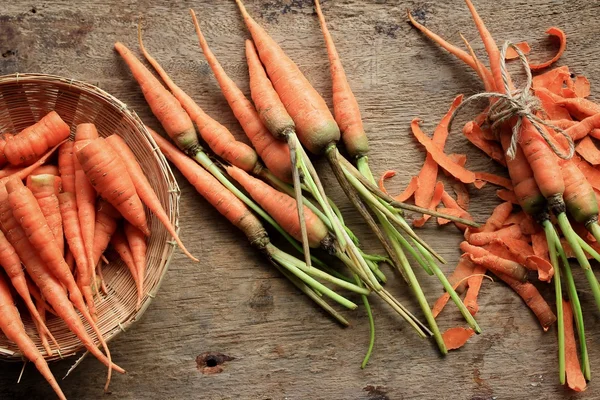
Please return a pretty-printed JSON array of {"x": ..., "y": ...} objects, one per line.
[
  {"x": 588, "y": 150},
  {"x": 486, "y": 237},
  {"x": 575, "y": 378},
  {"x": 494, "y": 179},
  {"x": 582, "y": 86},
  {"x": 474, "y": 134},
  {"x": 498, "y": 217},
  {"x": 462, "y": 195},
  {"x": 552, "y": 80},
  {"x": 407, "y": 193},
  {"x": 553, "y": 31},
  {"x": 553, "y": 110},
  {"x": 455, "y": 338},
  {"x": 435, "y": 201},
  {"x": 586, "y": 126},
  {"x": 463, "y": 269},
  {"x": 591, "y": 173},
  {"x": 507, "y": 195},
  {"x": 453, "y": 208},
  {"x": 481, "y": 256},
  {"x": 439, "y": 156},
  {"x": 474, "y": 285},
  {"x": 460, "y": 159},
  {"x": 540, "y": 245},
  {"x": 511, "y": 53}
]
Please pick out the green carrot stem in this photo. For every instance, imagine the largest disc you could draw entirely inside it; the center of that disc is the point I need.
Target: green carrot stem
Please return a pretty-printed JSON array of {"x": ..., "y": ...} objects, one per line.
[
  {"x": 371, "y": 326},
  {"x": 594, "y": 228},
  {"x": 588, "y": 249},
  {"x": 571, "y": 237},
  {"x": 375, "y": 268},
  {"x": 574, "y": 297},
  {"x": 552, "y": 248}
]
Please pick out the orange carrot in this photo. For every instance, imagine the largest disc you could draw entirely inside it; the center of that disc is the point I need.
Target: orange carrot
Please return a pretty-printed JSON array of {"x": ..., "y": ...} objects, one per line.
[
  {"x": 435, "y": 200},
  {"x": 586, "y": 126},
  {"x": 345, "y": 107},
  {"x": 474, "y": 134},
  {"x": 498, "y": 217},
  {"x": 23, "y": 172},
  {"x": 138, "y": 247},
  {"x": 66, "y": 166},
  {"x": 43, "y": 188},
  {"x": 26, "y": 147},
  {"x": 176, "y": 120},
  {"x": 533, "y": 299},
  {"x": 119, "y": 243},
  {"x": 12, "y": 327},
  {"x": 108, "y": 174},
  {"x": 438, "y": 155},
  {"x": 575, "y": 379},
  {"x": 4, "y": 138},
  {"x": 579, "y": 195},
  {"x": 144, "y": 189},
  {"x": 274, "y": 153},
  {"x": 315, "y": 126},
  {"x": 104, "y": 227},
  {"x": 72, "y": 231},
  {"x": 455, "y": 338},
  {"x": 216, "y": 194},
  {"x": 46, "y": 169},
  {"x": 281, "y": 207},
  {"x": 553, "y": 31},
  {"x": 494, "y": 263}
]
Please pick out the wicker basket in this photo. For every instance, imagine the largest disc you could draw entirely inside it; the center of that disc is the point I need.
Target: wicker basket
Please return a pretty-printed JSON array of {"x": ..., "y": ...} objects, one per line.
[{"x": 24, "y": 99}]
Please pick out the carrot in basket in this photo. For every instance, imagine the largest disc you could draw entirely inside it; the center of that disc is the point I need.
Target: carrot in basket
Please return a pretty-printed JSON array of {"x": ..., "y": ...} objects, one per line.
[
  {"x": 274, "y": 153},
  {"x": 108, "y": 174},
  {"x": 177, "y": 121},
  {"x": 104, "y": 227},
  {"x": 12, "y": 327},
  {"x": 494, "y": 263},
  {"x": 345, "y": 107},
  {"x": 315, "y": 126},
  {"x": 34, "y": 141},
  {"x": 43, "y": 188},
  {"x": 138, "y": 246},
  {"x": 66, "y": 166},
  {"x": 54, "y": 292},
  {"x": 144, "y": 189},
  {"x": 40, "y": 305},
  {"x": 575, "y": 379},
  {"x": 282, "y": 208},
  {"x": 4, "y": 138},
  {"x": 119, "y": 243},
  {"x": 46, "y": 169},
  {"x": 23, "y": 172},
  {"x": 72, "y": 230}
]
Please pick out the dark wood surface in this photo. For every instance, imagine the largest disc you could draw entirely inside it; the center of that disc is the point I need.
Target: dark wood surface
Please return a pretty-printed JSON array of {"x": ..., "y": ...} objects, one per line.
[{"x": 276, "y": 344}]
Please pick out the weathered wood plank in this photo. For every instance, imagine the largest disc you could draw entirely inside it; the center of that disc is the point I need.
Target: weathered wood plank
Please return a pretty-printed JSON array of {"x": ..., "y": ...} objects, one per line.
[{"x": 233, "y": 302}]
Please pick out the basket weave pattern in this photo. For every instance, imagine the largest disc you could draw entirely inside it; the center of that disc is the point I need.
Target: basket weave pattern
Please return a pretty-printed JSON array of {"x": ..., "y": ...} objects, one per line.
[{"x": 26, "y": 98}]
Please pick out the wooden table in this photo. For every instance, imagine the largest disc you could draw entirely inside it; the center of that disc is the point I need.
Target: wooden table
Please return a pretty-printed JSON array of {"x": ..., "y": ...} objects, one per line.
[{"x": 278, "y": 344}]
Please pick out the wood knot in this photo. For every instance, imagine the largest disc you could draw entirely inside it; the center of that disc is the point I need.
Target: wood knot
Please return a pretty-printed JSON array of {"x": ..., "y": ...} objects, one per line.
[{"x": 212, "y": 363}]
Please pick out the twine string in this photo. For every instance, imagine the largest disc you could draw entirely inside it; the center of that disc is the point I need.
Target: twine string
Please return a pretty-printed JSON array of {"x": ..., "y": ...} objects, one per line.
[{"x": 520, "y": 103}]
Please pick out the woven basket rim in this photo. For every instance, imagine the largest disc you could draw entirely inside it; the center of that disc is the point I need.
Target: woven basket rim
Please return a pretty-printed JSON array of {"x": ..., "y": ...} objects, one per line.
[{"x": 174, "y": 192}]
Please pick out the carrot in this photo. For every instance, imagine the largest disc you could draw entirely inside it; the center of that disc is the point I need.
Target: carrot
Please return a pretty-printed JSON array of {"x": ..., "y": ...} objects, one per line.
[
  {"x": 315, "y": 126},
  {"x": 164, "y": 106},
  {"x": 108, "y": 174},
  {"x": 177, "y": 121},
  {"x": 4, "y": 138},
  {"x": 575, "y": 379},
  {"x": 435, "y": 200},
  {"x": 12, "y": 327},
  {"x": 498, "y": 217},
  {"x": 455, "y": 338},
  {"x": 104, "y": 227},
  {"x": 72, "y": 230},
  {"x": 26, "y": 147},
  {"x": 494, "y": 179},
  {"x": 578, "y": 107},
  {"x": 53, "y": 291},
  {"x": 41, "y": 309},
  {"x": 482, "y": 257},
  {"x": 69, "y": 259},
  {"x": 144, "y": 189},
  {"x": 23, "y": 172},
  {"x": 438, "y": 155},
  {"x": 43, "y": 188},
  {"x": 345, "y": 107},
  {"x": 533, "y": 299},
  {"x": 511, "y": 53},
  {"x": 579, "y": 195},
  {"x": 553, "y": 31},
  {"x": 137, "y": 244},
  {"x": 119, "y": 243},
  {"x": 274, "y": 153},
  {"x": 582, "y": 86},
  {"x": 428, "y": 174},
  {"x": 579, "y": 132},
  {"x": 474, "y": 134},
  {"x": 66, "y": 166},
  {"x": 474, "y": 285},
  {"x": 46, "y": 169},
  {"x": 282, "y": 208},
  {"x": 485, "y": 237}
]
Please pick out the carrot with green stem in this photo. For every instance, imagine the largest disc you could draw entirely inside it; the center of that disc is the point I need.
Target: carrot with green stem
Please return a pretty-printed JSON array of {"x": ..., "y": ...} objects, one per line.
[
  {"x": 144, "y": 189},
  {"x": 12, "y": 327}
]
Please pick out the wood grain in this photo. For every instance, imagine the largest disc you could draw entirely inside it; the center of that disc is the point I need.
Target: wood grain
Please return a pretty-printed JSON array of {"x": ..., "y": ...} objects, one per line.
[{"x": 233, "y": 302}]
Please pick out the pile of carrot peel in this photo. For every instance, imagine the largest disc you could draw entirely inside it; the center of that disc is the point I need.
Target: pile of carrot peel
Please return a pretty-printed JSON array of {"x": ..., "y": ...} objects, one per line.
[
  {"x": 549, "y": 209},
  {"x": 57, "y": 220}
]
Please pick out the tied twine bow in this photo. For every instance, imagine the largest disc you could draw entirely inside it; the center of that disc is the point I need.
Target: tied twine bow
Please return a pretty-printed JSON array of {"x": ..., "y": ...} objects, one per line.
[{"x": 520, "y": 103}]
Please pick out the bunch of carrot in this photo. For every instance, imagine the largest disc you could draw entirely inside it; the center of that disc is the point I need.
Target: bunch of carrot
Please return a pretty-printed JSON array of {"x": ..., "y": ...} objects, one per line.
[
  {"x": 93, "y": 197},
  {"x": 548, "y": 186}
]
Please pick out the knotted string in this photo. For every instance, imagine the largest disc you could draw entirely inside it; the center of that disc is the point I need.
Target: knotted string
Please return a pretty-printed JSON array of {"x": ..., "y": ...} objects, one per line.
[{"x": 520, "y": 103}]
